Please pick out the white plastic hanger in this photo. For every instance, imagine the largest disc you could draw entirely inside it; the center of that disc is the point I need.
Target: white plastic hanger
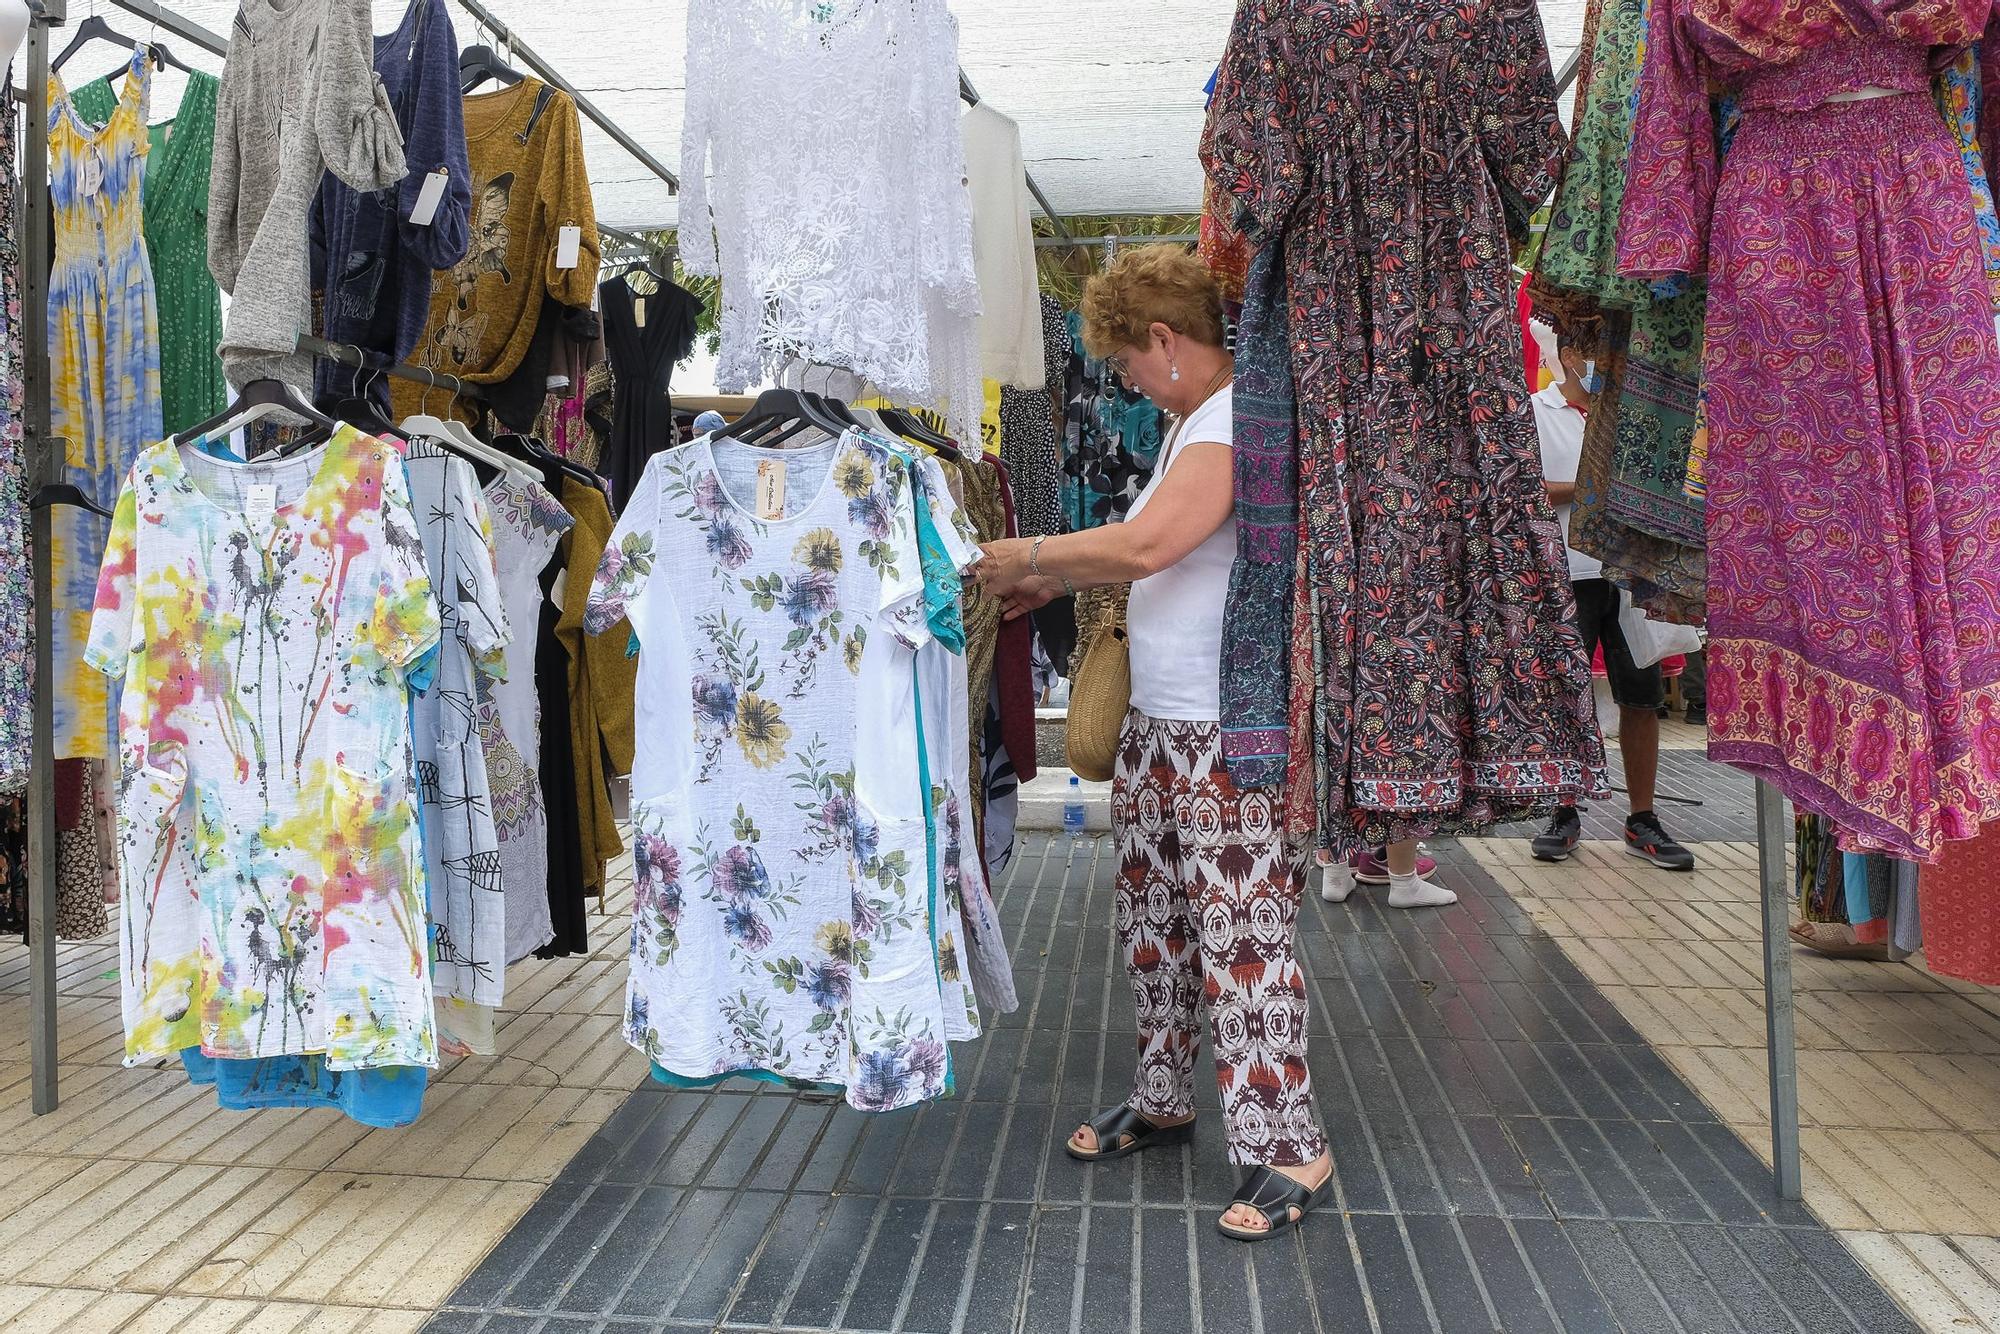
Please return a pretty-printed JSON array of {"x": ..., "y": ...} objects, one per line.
[{"x": 459, "y": 437}]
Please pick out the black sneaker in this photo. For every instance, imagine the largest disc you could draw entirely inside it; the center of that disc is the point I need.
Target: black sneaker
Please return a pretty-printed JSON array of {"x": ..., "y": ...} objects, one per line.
[
  {"x": 1697, "y": 715},
  {"x": 1559, "y": 840},
  {"x": 1645, "y": 838}
]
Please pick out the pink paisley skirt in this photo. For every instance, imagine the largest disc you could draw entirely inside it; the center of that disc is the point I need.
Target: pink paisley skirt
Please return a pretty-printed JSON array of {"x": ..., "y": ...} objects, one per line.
[{"x": 1853, "y": 381}]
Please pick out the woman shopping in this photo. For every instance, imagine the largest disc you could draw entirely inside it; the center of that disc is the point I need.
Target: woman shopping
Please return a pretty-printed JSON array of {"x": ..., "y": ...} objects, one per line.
[{"x": 1209, "y": 886}]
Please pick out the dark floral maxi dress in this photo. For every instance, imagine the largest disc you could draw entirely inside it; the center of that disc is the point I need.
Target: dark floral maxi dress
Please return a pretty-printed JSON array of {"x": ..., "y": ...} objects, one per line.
[{"x": 1437, "y": 684}]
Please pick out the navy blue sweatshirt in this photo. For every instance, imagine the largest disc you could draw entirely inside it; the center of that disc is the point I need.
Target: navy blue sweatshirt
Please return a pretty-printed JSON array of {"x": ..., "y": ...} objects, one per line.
[{"x": 372, "y": 264}]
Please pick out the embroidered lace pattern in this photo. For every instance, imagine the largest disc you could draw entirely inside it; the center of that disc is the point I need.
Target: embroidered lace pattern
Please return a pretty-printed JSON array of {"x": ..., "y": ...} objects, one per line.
[{"x": 836, "y": 215}]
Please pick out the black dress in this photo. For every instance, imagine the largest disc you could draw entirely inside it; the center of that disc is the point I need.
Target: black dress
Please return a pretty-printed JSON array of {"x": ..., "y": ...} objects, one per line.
[{"x": 645, "y": 335}]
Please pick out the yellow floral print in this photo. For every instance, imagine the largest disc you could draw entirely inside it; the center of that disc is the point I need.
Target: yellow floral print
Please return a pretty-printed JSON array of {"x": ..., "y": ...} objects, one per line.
[{"x": 761, "y": 730}]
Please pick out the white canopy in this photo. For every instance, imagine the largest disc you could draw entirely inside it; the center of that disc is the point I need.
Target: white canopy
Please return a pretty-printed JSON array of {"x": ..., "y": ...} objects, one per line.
[{"x": 1108, "y": 93}]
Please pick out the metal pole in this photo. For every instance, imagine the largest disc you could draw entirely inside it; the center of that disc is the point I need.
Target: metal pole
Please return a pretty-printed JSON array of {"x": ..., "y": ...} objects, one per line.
[
  {"x": 185, "y": 29},
  {"x": 1116, "y": 238},
  {"x": 1567, "y": 74},
  {"x": 1780, "y": 1036},
  {"x": 45, "y": 460},
  {"x": 547, "y": 74}
]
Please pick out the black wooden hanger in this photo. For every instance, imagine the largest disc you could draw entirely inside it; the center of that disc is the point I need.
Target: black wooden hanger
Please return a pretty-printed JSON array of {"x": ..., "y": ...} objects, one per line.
[
  {"x": 261, "y": 398},
  {"x": 911, "y": 427},
  {"x": 479, "y": 63},
  {"x": 95, "y": 28},
  {"x": 767, "y": 421},
  {"x": 63, "y": 493}
]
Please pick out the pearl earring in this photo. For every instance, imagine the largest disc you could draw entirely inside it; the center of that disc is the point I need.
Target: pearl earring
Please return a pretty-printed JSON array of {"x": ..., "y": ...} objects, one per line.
[{"x": 1174, "y": 372}]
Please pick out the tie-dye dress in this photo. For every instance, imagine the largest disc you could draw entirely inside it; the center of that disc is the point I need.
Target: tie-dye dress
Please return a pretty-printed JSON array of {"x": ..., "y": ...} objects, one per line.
[
  {"x": 263, "y": 617},
  {"x": 104, "y": 363}
]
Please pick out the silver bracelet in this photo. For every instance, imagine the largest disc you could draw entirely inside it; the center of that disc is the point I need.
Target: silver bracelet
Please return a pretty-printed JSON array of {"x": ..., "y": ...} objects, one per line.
[{"x": 1035, "y": 564}]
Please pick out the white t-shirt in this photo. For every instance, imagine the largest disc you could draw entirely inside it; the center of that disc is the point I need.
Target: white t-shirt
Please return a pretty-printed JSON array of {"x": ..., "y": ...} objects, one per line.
[
  {"x": 1561, "y": 428},
  {"x": 1174, "y": 621}
]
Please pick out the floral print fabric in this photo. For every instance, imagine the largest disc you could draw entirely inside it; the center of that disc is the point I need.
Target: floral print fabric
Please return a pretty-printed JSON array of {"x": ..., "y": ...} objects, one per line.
[
  {"x": 1437, "y": 683},
  {"x": 1111, "y": 438},
  {"x": 16, "y": 578},
  {"x": 783, "y": 905},
  {"x": 262, "y": 618}
]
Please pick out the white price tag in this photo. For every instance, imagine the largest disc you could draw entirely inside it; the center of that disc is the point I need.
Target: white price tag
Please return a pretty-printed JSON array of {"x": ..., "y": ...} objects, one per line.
[
  {"x": 260, "y": 503},
  {"x": 639, "y": 312},
  {"x": 429, "y": 197},
  {"x": 93, "y": 172},
  {"x": 770, "y": 489},
  {"x": 569, "y": 240}
]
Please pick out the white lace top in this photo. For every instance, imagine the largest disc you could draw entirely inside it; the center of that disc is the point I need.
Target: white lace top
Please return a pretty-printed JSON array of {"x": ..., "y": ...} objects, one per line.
[{"x": 823, "y": 179}]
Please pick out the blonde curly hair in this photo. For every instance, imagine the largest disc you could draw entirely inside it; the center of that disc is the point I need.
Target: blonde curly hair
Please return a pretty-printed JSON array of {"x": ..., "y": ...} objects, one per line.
[{"x": 1147, "y": 285}]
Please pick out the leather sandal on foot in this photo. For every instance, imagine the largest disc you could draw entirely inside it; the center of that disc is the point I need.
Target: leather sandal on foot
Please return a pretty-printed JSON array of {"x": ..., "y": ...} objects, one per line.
[
  {"x": 1121, "y": 1131},
  {"x": 1274, "y": 1195}
]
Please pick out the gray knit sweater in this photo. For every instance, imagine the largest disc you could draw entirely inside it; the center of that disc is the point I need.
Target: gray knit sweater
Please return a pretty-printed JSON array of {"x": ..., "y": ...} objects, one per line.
[{"x": 299, "y": 97}]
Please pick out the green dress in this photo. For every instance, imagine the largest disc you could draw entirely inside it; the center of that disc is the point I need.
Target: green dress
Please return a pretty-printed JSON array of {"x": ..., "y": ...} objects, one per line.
[{"x": 175, "y": 196}]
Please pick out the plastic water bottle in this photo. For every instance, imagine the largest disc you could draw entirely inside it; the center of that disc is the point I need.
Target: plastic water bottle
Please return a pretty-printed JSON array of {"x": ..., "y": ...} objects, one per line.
[{"x": 1073, "y": 808}]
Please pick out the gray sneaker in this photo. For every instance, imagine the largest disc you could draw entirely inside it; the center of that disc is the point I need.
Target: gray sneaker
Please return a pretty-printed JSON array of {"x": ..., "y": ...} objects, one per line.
[{"x": 1559, "y": 840}]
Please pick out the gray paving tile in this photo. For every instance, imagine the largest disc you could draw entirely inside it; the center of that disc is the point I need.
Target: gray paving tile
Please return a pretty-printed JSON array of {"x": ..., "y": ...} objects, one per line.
[
  {"x": 570, "y": 1248},
  {"x": 769, "y": 1283},
  {"x": 1511, "y": 1285},
  {"x": 1508, "y": 1152},
  {"x": 950, "y": 1246},
  {"x": 1627, "y": 1287},
  {"x": 1573, "y": 1294},
  {"x": 597, "y": 1288},
  {"x": 1393, "y": 1287},
  {"x": 1870, "y": 1307},
  {"x": 1167, "y": 1298},
  {"x": 1456, "y": 1293},
  {"x": 716, "y": 1271}
]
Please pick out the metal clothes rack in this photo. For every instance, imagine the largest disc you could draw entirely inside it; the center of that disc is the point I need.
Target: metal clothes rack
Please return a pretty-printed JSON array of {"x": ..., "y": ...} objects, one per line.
[
  {"x": 547, "y": 74},
  {"x": 44, "y": 460}
]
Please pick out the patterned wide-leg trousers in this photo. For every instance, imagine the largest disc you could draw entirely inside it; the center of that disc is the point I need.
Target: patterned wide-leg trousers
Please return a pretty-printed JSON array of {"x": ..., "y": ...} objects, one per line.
[{"x": 1208, "y": 901}]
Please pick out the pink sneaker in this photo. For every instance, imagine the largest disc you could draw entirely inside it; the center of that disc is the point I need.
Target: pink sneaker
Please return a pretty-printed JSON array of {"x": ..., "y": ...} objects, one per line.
[{"x": 1370, "y": 869}]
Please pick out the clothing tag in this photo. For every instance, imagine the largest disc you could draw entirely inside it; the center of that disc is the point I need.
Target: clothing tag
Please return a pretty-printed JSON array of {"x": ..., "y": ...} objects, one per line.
[
  {"x": 557, "y": 586},
  {"x": 770, "y": 489},
  {"x": 260, "y": 502},
  {"x": 569, "y": 240},
  {"x": 639, "y": 312},
  {"x": 429, "y": 197},
  {"x": 93, "y": 172}
]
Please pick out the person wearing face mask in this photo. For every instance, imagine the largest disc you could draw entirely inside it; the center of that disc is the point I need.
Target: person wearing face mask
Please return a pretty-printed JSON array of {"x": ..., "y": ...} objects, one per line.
[
  {"x": 1638, "y": 691},
  {"x": 1209, "y": 885}
]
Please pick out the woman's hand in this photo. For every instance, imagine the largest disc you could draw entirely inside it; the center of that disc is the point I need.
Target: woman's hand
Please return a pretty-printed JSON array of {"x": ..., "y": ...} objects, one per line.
[
  {"x": 1004, "y": 569},
  {"x": 1033, "y": 595}
]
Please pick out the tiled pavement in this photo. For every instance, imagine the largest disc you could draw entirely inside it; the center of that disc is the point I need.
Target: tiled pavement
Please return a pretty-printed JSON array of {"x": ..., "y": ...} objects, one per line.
[{"x": 1511, "y": 1155}]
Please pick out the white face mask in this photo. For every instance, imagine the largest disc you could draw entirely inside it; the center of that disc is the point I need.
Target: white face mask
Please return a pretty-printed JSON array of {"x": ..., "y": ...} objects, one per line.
[{"x": 1592, "y": 381}]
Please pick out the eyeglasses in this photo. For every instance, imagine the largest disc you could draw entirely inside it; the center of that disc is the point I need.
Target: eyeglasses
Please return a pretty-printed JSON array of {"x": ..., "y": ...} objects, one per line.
[{"x": 1116, "y": 365}]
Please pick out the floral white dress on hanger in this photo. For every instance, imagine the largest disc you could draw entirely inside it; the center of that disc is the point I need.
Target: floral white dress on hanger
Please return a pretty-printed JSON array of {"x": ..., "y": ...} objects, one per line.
[{"x": 783, "y": 908}]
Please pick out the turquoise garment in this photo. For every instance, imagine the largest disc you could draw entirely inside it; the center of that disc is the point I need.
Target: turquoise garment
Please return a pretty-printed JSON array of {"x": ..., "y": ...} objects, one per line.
[{"x": 389, "y": 1097}]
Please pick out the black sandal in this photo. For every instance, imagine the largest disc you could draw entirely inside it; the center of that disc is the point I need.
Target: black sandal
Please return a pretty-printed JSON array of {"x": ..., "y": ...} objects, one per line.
[
  {"x": 1126, "y": 1131},
  {"x": 1274, "y": 1195}
]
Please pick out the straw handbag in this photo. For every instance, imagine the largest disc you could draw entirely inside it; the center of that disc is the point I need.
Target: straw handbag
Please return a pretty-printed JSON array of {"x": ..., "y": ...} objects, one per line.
[{"x": 1100, "y": 695}]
